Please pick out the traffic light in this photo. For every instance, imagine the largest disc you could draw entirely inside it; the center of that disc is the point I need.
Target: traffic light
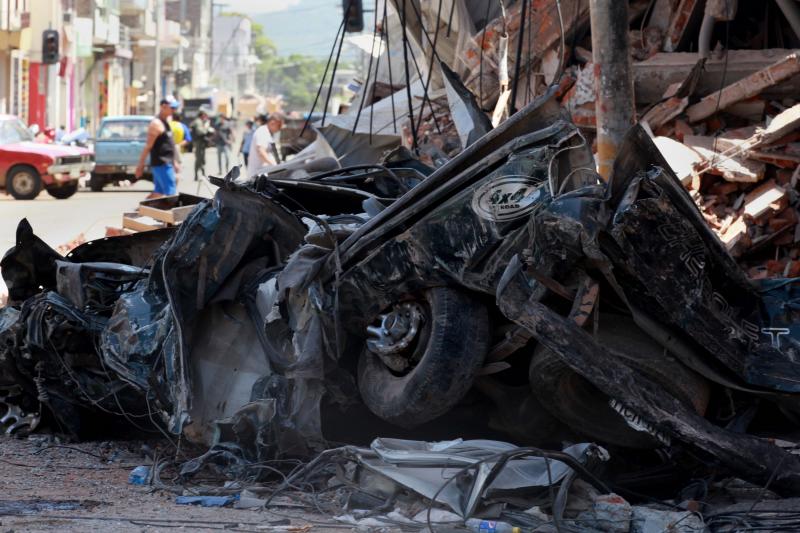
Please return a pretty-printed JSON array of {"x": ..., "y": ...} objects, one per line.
[
  {"x": 50, "y": 47},
  {"x": 353, "y": 15},
  {"x": 183, "y": 77}
]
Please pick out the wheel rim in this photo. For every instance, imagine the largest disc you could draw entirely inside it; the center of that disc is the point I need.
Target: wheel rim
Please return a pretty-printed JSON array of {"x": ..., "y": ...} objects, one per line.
[
  {"x": 394, "y": 335},
  {"x": 24, "y": 183}
]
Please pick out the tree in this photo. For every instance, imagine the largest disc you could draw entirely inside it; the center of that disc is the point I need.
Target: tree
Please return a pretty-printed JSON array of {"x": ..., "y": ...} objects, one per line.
[{"x": 296, "y": 77}]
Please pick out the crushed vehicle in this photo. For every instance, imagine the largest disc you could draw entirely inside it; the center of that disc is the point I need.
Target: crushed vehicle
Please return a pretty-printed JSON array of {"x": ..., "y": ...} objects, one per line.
[{"x": 509, "y": 292}]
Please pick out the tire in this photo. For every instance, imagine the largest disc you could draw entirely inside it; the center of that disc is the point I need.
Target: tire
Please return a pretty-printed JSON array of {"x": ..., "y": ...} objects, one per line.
[
  {"x": 96, "y": 183},
  {"x": 24, "y": 183},
  {"x": 575, "y": 401},
  {"x": 451, "y": 348},
  {"x": 63, "y": 192}
]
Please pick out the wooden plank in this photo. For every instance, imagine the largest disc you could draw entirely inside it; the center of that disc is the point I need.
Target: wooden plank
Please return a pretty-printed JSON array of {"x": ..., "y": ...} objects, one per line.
[
  {"x": 137, "y": 222},
  {"x": 170, "y": 216},
  {"x": 111, "y": 231},
  {"x": 170, "y": 209},
  {"x": 745, "y": 88}
]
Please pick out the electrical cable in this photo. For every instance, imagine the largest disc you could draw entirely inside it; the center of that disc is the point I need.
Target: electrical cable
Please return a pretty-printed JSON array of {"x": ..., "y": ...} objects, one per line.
[
  {"x": 389, "y": 65},
  {"x": 422, "y": 81},
  {"x": 529, "y": 58},
  {"x": 434, "y": 54},
  {"x": 333, "y": 76},
  {"x": 65, "y": 447},
  {"x": 369, "y": 74},
  {"x": 450, "y": 16},
  {"x": 562, "y": 52},
  {"x": 518, "y": 58},
  {"x": 480, "y": 57},
  {"x": 502, "y": 458},
  {"x": 322, "y": 81},
  {"x": 722, "y": 84},
  {"x": 377, "y": 70},
  {"x": 414, "y": 145}
]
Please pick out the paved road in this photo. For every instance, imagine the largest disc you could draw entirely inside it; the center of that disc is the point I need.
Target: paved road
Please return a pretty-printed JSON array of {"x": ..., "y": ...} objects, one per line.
[{"x": 60, "y": 221}]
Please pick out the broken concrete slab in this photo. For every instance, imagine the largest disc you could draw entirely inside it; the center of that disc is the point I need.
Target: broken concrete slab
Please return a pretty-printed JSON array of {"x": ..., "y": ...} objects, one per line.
[
  {"x": 652, "y": 76},
  {"x": 681, "y": 158},
  {"x": 665, "y": 111},
  {"x": 730, "y": 168},
  {"x": 768, "y": 197}
]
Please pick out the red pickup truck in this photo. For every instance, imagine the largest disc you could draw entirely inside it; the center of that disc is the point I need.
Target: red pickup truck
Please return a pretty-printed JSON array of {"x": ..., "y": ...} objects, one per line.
[{"x": 27, "y": 167}]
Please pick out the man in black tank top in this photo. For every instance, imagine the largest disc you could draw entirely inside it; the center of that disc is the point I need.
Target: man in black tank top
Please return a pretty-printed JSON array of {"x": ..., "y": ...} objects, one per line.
[{"x": 160, "y": 147}]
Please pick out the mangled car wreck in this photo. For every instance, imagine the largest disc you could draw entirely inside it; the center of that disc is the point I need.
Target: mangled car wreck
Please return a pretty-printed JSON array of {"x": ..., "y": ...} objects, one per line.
[{"x": 510, "y": 294}]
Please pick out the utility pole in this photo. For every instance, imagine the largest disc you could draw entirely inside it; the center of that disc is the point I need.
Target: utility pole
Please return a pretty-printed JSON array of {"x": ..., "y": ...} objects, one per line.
[
  {"x": 157, "y": 69},
  {"x": 614, "y": 106},
  {"x": 182, "y": 16}
]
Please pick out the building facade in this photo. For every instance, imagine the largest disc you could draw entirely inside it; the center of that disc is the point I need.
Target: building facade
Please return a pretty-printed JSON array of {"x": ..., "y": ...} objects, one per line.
[
  {"x": 115, "y": 57},
  {"x": 233, "y": 64}
]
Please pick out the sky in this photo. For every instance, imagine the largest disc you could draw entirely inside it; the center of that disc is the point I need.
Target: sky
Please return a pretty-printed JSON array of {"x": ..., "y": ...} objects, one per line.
[
  {"x": 295, "y": 26},
  {"x": 253, "y": 8}
]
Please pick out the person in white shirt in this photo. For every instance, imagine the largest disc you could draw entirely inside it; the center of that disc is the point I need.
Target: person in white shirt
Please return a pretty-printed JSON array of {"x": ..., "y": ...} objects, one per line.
[{"x": 263, "y": 151}]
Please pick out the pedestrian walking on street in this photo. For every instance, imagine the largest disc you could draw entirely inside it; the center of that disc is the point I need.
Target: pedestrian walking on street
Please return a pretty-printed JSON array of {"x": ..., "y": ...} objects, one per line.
[
  {"x": 201, "y": 129},
  {"x": 247, "y": 139},
  {"x": 223, "y": 139},
  {"x": 160, "y": 146},
  {"x": 263, "y": 149}
]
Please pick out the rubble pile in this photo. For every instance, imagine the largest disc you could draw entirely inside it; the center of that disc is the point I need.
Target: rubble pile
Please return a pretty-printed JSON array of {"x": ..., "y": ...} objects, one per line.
[
  {"x": 708, "y": 111},
  {"x": 484, "y": 282}
]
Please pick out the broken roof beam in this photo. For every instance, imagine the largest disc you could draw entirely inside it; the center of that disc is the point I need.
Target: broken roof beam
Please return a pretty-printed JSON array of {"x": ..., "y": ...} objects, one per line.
[
  {"x": 654, "y": 75},
  {"x": 745, "y": 88}
]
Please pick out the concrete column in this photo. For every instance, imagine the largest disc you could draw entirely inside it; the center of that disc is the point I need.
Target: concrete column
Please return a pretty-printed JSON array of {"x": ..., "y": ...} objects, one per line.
[{"x": 615, "y": 109}]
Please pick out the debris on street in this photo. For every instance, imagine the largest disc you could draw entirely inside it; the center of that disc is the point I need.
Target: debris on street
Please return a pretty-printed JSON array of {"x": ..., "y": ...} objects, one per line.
[{"x": 157, "y": 213}]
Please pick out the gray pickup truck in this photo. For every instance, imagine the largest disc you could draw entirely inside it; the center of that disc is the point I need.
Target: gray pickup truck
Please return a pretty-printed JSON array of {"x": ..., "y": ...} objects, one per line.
[{"x": 119, "y": 143}]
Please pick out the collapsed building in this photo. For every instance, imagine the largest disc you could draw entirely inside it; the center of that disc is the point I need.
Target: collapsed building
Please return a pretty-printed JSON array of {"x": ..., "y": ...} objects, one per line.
[{"x": 445, "y": 261}]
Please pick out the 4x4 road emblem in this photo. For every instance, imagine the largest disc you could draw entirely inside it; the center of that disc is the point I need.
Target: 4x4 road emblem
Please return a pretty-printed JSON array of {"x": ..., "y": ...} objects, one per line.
[{"x": 507, "y": 198}]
